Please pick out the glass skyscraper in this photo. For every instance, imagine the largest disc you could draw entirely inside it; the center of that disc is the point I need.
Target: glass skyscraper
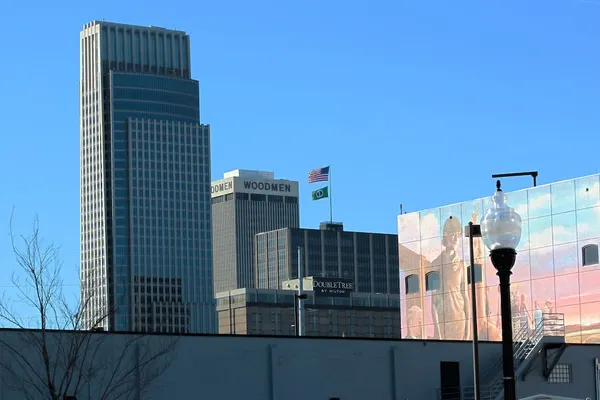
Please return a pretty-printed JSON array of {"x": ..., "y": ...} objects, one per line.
[
  {"x": 146, "y": 251},
  {"x": 370, "y": 260}
]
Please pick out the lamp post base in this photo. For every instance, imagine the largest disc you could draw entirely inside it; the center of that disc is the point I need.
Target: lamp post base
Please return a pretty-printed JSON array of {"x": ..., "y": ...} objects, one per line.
[{"x": 504, "y": 260}]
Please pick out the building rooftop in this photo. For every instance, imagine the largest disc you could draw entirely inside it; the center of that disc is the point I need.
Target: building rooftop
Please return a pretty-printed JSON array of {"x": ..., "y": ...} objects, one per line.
[
  {"x": 117, "y": 24},
  {"x": 250, "y": 174},
  {"x": 330, "y": 226}
]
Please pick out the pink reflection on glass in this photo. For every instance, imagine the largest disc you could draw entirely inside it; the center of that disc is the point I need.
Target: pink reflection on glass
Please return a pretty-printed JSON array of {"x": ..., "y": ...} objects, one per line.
[
  {"x": 429, "y": 331},
  {"x": 565, "y": 258},
  {"x": 521, "y": 270},
  {"x": 567, "y": 290},
  {"x": 428, "y": 312},
  {"x": 403, "y": 318},
  {"x": 489, "y": 272},
  {"x": 543, "y": 296},
  {"x": 572, "y": 317},
  {"x": 542, "y": 263},
  {"x": 410, "y": 259},
  {"x": 402, "y": 277},
  {"x": 489, "y": 330},
  {"x": 590, "y": 322},
  {"x": 487, "y": 312},
  {"x": 408, "y": 228},
  {"x": 521, "y": 304},
  {"x": 430, "y": 223},
  {"x": 431, "y": 248},
  {"x": 451, "y": 301},
  {"x": 414, "y": 322},
  {"x": 589, "y": 286}
]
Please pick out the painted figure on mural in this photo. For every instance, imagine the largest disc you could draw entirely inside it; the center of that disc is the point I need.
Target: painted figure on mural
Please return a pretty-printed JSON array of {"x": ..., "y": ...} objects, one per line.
[
  {"x": 524, "y": 314},
  {"x": 537, "y": 315},
  {"x": 486, "y": 328},
  {"x": 451, "y": 305},
  {"x": 415, "y": 323}
]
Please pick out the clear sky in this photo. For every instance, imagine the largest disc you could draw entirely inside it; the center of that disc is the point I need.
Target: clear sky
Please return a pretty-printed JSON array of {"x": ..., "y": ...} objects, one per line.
[{"x": 414, "y": 102}]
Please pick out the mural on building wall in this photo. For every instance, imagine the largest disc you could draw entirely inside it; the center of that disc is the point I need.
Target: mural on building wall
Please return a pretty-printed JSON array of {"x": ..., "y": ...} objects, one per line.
[{"x": 557, "y": 268}]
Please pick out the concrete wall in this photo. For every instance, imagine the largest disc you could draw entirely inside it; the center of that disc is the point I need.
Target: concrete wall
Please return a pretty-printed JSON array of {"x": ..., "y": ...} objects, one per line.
[{"x": 224, "y": 367}]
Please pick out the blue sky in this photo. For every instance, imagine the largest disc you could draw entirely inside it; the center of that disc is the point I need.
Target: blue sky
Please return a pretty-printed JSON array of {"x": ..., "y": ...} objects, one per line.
[{"x": 412, "y": 102}]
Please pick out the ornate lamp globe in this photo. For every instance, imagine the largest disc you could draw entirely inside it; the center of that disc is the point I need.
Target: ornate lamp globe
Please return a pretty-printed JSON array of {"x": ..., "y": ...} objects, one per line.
[{"x": 501, "y": 231}]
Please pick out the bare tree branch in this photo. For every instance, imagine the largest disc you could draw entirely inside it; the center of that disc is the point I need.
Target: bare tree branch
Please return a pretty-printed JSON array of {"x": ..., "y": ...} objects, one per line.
[{"x": 66, "y": 358}]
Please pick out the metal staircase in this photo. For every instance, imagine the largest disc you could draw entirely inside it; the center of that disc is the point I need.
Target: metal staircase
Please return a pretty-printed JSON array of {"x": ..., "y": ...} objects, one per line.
[{"x": 527, "y": 343}]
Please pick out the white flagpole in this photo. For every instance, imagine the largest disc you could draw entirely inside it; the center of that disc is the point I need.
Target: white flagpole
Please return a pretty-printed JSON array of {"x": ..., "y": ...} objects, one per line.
[{"x": 330, "y": 200}]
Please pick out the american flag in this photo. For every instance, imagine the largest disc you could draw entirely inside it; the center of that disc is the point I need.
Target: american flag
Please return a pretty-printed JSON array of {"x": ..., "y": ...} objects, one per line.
[{"x": 318, "y": 175}]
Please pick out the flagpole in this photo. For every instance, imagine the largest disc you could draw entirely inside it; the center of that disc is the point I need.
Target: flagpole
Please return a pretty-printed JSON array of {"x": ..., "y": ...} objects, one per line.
[{"x": 330, "y": 201}]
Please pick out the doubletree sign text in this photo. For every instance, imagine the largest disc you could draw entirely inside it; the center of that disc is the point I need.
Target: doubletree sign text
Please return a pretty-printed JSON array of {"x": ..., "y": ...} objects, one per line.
[{"x": 332, "y": 287}]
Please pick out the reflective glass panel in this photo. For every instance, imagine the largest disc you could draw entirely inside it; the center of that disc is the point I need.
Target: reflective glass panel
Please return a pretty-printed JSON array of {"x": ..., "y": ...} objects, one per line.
[
  {"x": 567, "y": 290},
  {"x": 587, "y": 192},
  {"x": 588, "y": 223},
  {"x": 408, "y": 227},
  {"x": 563, "y": 197},
  {"x": 539, "y": 202},
  {"x": 590, "y": 322},
  {"x": 542, "y": 262},
  {"x": 564, "y": 228},
  {"x": 430, "y": 223},
  {"x": 565, "y": 258},
  {"x": 540, "y": 232}
]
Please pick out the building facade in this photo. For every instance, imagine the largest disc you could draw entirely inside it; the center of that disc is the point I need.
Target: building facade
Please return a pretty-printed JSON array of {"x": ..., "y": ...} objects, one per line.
[
  {"x": 271, "y": 312},
  {"x": 556, "y": 270},
  {"x": 146, "y": 251},
  {"x": 370, "y": 260},
  {"x": 277, "y": 368},
  {"x": 245, "y": 203}
]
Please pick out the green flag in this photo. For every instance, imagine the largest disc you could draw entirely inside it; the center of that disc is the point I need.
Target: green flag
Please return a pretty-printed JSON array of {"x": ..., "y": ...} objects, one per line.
[{"x": 319, "y": 194}]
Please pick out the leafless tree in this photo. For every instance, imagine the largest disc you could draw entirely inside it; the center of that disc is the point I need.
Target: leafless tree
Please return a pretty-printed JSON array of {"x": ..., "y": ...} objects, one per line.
[{"x": 53, "y": 356}]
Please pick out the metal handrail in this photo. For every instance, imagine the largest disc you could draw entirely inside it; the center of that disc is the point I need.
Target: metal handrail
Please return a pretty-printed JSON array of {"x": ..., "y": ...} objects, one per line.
[
  {"x": 524, "y": 342},
  {"x": 493, "y": 374}
]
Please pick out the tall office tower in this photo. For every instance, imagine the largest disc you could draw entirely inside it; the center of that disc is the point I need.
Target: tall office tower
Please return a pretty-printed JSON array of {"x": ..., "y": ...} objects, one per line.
[
  {"x": 245, "y": 203},
  {"x": 146, "y": 252},
  {"x": 369, "y": 259}
]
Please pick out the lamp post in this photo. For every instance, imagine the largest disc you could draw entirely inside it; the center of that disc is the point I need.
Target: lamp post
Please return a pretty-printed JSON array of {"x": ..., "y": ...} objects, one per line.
[
  {"x": 473, "y": 231},
  {"x": 297, "y": 301},
  {"x": 501, "y": 232}
]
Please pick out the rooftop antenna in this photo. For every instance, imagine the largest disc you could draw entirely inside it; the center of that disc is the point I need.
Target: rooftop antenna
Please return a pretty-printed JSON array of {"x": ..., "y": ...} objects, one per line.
[{"x": 401, "y": 209}]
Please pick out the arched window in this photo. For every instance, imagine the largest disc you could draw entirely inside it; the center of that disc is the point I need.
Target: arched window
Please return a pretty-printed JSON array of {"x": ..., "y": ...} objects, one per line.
[
  {"x": 432, "y": 281},
  {"x": 589, "y": 254},
  {"x": 412, "y": 284}
]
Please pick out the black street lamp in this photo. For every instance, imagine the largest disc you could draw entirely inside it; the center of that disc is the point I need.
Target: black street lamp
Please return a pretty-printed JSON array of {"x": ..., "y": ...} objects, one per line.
[{"x": 501, "y": 232}]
